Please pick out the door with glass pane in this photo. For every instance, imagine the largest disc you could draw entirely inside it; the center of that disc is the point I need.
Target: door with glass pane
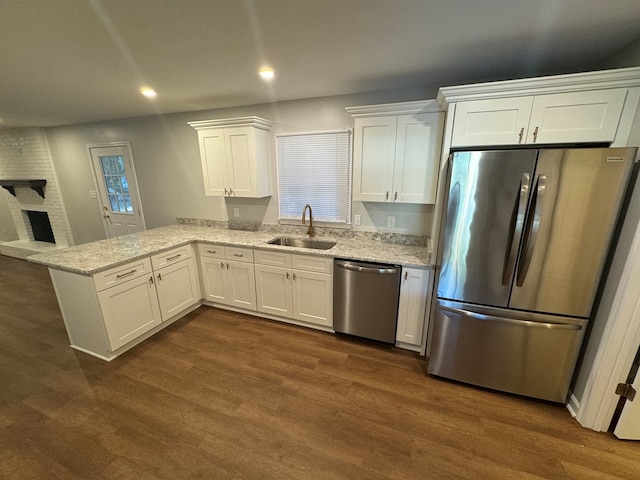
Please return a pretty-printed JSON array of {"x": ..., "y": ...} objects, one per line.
[{"x": 118, "y": 190}]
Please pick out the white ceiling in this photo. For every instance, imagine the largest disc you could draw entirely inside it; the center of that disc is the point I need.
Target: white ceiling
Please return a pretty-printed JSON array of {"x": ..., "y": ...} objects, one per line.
[{"x": 72, "y": 61}]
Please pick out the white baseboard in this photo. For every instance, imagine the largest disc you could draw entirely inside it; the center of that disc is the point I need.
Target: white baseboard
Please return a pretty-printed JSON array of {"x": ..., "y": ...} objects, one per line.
[{"x": 573, "y": 406}]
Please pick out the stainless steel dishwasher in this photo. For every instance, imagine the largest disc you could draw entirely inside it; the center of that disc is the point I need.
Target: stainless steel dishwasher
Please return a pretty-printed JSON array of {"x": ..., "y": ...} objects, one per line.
[{"x": 365, "y": 299}]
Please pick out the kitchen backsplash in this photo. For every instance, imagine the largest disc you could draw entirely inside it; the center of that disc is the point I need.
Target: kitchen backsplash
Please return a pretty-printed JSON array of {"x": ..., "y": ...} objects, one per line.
[{"x": 393, "y": 238}]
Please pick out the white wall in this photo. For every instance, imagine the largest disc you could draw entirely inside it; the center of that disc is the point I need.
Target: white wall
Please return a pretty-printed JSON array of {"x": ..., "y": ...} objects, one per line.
[
  {"x": 8, "y": 231},
  {"x": 167, "y": 162}
]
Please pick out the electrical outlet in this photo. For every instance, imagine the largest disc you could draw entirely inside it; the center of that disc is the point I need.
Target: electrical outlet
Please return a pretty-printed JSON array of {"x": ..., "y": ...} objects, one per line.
[
  {"x": 356, "y": 220},
  {"x": 236, "y": 212},
  {"x": 391, "y": 221}
]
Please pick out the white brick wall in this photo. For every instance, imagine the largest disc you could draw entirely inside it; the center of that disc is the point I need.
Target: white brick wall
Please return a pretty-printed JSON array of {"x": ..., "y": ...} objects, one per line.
[{"x": 24, "y": 154}]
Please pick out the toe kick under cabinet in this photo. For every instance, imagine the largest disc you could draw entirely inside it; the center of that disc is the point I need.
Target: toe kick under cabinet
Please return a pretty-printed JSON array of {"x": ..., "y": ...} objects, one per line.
[{"x": 111, "y": 311}]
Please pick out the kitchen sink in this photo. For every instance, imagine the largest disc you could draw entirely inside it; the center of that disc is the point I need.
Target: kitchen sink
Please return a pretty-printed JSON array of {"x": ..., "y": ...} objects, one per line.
[{"x": 302, "y": 243}]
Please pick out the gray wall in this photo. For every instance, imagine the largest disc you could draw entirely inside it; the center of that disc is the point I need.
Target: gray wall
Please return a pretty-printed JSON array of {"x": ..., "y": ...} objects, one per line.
[{"x": 167, "y": 162}]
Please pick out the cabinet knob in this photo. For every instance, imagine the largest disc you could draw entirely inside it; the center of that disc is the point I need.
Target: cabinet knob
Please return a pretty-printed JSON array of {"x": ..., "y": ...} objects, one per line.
[
  {"x": 151, "y": 279},
  {"x": 159, "y": 277},
  {"x": 227, "y": 266},
  {"x": 294, "y": 276},
  {"x": 221, "y": 264},
  {"x": 287, "y": 274}
]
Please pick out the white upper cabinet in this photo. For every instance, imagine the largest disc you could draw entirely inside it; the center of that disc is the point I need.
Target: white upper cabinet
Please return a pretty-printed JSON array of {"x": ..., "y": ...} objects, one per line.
[
  {"x": 396, "y": 152},
  {"x": 558, "y": 118},
  {"x": 590, "y": 107},
  {"x": 235, "y": 156}
]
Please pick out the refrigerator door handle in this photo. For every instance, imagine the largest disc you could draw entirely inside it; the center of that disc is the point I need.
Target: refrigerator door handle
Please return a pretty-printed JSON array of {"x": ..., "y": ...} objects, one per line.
[
  {"x": 522, "y": 323},
  {"x": 531, "y": 232},
  {"x": 515, "y": 232}
]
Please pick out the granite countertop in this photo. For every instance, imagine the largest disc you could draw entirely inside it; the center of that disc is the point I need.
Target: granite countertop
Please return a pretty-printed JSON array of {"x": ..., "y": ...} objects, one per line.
[{"x": 94, "y": 257}]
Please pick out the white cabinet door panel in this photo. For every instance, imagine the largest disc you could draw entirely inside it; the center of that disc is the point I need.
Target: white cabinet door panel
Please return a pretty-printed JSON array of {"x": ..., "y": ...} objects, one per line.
[
  {"x": 241, "y": 284},
  {"x": 374, "y": 147},
  {"x": 129, "y": 310},
  {"x": 240, "y": 162},
  {"x": 313, "y": 297},
  {"x": 213, "y": 156},
  {"x": 273, "y": 290},
  {"x": 178, "y": 287},
  {"x": 418, "y": 144},
  {"x": 414, "y": 287},
  {"x": 213, "y": 276},
  {"x": 576, "y": 117},
  {"x": 491, "y": 122}
]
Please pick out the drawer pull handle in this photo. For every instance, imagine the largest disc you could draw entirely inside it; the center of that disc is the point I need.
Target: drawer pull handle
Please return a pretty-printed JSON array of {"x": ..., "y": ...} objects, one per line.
[
  {"x": 211, "y": 251},
  {"x": 159, "y": 277},
  {"x": 287, "y": 275},
  {"x": 174, "y": 257},
  {"x": 151, "y": 279},
  {"x": 227, "y": 266},
  {"x": 222, "y": 265},
  {"x": 406, "y": 275},
  {"x": 238, "y": 255},
  {"x": 520, "y": 135},
  {"x": 122, "y": 275},
  {"x": 294, "y": 276},
  {"x": 535, "y": 135}
]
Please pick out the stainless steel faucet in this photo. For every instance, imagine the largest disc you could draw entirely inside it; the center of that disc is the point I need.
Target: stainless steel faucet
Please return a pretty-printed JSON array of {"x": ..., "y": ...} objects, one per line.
[{"x": 310, "y": 231}]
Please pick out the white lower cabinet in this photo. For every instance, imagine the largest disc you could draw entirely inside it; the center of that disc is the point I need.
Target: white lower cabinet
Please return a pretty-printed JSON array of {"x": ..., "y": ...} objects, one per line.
[
  {"x": 414, "y": 291},
  {"x": 297, "y": 287},
  {"x": 111, "y": 311},
  {"x": 228, "y": 276}
]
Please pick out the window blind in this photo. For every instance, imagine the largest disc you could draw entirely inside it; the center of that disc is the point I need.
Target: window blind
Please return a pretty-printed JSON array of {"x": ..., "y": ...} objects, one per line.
[{"x": 315, "y": 168}]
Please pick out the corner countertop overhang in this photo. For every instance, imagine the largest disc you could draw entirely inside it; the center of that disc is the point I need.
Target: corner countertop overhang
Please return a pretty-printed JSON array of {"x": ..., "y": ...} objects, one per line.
[{"x": 94, "y": 257}]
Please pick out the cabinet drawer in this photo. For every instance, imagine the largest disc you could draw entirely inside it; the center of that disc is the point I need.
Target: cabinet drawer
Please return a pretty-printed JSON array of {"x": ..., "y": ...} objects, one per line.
[
  {"x": 312, "y": 263},
  {"x": 211, "y": 250},
  {"x": 239, "y": 254},
  {"x": 277, "y": 259},
  {"x": 172, "y": 256},
  {"x": 122, "y": 273}
]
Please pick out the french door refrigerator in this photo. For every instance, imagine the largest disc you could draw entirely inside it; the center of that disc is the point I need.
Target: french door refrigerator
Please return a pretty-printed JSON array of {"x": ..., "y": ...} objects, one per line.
[{"x": 524, "y": 241}]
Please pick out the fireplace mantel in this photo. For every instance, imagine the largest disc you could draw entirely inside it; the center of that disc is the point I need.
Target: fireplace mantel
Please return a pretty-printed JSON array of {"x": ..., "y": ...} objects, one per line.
[{"x": 37, "y": 185}]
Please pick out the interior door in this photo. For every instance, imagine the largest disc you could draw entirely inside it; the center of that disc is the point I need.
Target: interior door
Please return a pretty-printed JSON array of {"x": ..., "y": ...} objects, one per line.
[
  {"x": 118, "y": 189},
  {"x": 575, "y": 199},
  {"x": 486, "y": 203}
]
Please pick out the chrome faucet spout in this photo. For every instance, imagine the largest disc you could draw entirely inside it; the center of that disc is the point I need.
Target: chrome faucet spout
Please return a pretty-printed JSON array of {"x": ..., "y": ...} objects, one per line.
[{"x": 310, "y": 231}]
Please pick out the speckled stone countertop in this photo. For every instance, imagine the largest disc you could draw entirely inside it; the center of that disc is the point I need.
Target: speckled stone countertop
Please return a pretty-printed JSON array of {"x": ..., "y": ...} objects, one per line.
[{"x": 94, "y": 257}]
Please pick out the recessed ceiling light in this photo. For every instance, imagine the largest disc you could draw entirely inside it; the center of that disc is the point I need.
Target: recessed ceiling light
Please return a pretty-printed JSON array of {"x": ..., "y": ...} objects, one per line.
[
  {"x": 267, "y": 73},
  {"x": 148, "y": 92}
]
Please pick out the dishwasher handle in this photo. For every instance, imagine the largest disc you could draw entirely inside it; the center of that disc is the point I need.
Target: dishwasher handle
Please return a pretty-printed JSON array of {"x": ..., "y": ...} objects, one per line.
[{"x": 366, "y": 268}]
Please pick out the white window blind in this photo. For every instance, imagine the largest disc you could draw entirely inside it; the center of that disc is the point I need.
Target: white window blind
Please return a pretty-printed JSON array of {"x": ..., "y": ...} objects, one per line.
[{"x": 315, "y": 168}]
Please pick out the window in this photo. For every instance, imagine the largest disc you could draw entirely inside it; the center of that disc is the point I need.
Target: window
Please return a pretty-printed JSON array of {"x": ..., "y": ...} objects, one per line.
[{"x": 315, "y": 168}]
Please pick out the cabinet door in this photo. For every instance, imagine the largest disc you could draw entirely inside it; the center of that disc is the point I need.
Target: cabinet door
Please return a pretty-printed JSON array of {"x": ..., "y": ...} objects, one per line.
[
  {"x": 414, "y": 288},
  {"x": 417, "y": 156},
  {"x": 241, "y": 284},
  {"x": 373, "y": 158},
  {"x": 313, "y": 297},
  {"x": 576, "y": 117},
  {"x": 178, "y": 287},
  {"x": 501, "y": 121},
  {"x": 273, "y": 290},
  {"x": 241, "y": 168},
  {"x": 214, "y": 159},
  {"x": 129, "y": 310},
  {"x": 213, "y": 274}
]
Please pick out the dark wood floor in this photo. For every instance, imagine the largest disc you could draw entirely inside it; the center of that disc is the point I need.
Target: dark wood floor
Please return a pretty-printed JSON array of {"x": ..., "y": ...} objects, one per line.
[{"x": 221, "y": 395}]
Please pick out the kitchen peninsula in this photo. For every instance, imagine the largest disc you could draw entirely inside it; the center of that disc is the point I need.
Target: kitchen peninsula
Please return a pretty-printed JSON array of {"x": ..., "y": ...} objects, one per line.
[{"x": 115, "y": 293}]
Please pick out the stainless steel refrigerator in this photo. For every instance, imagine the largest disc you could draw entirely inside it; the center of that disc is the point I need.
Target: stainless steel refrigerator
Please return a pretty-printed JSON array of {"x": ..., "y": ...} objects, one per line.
[{"x": 525, "y": 238}]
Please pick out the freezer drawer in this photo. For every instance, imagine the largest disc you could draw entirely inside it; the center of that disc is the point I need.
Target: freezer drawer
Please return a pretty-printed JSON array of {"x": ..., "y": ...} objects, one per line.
[{"x": 517, "y": 352}]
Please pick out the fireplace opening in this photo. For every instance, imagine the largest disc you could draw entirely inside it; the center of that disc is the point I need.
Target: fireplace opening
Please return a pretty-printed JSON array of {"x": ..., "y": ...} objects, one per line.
[{"x": 40, "y": 226}]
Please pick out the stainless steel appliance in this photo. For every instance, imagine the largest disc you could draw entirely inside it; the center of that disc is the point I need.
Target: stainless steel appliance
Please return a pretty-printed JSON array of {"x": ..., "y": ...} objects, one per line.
[
  {"x": 525, "y": 239},
  {"x": 365, "y": 299}
]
